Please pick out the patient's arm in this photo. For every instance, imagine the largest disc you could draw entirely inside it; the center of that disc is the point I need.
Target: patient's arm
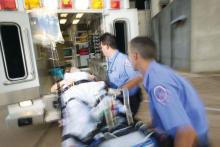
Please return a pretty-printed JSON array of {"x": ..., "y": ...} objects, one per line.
[
  {"x": 54, "y": 88},
  {"x": 92, "y": 77}
]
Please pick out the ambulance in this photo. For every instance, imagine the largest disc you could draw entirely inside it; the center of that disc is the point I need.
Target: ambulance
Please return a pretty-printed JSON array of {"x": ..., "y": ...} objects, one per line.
[{"x": 25, "y": 75}]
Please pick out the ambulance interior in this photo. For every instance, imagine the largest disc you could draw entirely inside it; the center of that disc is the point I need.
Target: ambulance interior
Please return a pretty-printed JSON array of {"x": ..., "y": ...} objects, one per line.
[{"x": 81, "y": 33}]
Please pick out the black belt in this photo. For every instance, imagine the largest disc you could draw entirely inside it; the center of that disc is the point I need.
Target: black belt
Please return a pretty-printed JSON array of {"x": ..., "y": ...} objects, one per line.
[
  {"x": 71, "y": 136},
  {"x": 81, "y": 81},
  {"x": 60, "y": 92},
  {"x": 74, "y": 83}
]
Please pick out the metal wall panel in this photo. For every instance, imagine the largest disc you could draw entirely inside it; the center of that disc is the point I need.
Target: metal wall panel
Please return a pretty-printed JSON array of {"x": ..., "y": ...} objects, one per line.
[
  {"x": 171, "y": 32},
  {"x": 165, "y": 35},
  {"x": 180, "y": 34}
]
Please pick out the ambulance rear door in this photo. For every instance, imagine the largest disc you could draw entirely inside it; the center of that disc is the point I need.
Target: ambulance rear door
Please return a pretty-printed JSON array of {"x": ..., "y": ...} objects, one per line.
[
  {"x": 123, "y": 23},
  {"x": 18, "y": 74}
]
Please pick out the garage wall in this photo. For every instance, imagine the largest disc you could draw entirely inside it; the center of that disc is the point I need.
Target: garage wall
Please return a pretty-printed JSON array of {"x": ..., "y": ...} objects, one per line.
[
  {"x": 205, "y": 53},
  {"x": 180, "y": 34},
  {"x": 144, "y": 22},
  {"x": 173, "y": 37}
]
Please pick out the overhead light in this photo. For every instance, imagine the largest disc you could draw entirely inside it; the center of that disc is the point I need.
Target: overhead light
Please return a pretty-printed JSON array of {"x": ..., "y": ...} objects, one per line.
[
  {"x": 79, "y": 15},
  {"x": 63, "y": 15},
  {"x": 82, "y": 4},
  {"x": 75, "y": 21},
  {"x": 49, "y": 5},
  {"x": 62, "y": 21},
  {"x": 26, "y": 103}
]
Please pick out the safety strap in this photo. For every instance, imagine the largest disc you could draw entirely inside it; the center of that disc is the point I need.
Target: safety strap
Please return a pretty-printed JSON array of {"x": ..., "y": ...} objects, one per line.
[
  {"x": 99, "y": 100},
  {"x": 124, "y": 131},
  {"x": 60, "y": 92},
  {"x": 59, "y": 97},
  {"x": 75, "y": 83},
  {"x": 115, "y": 134},
  {"x": 71, "y": 136},
  {"x": 81, "y": 82}
]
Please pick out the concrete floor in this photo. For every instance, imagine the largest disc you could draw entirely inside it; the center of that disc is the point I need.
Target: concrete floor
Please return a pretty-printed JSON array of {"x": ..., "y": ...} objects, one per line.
[{"x": 49, "y": 135}]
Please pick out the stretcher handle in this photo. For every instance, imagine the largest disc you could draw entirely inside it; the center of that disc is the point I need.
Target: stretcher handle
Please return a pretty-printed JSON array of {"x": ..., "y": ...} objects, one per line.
[{"x": 129, "y": 116}]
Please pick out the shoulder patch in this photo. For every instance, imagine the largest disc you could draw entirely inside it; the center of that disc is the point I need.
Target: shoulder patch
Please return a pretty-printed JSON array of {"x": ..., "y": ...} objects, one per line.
[{"x": 161, "y": 94}]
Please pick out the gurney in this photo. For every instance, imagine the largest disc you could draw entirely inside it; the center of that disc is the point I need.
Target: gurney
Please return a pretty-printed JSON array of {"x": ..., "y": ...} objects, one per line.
[{"x": 92, "y": 116}]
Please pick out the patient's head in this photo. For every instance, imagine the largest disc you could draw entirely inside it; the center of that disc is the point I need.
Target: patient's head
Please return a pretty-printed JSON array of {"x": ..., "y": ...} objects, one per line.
[
  {"x": 71, "y": 69},
  {"x": 73, "y": 73},
  {"x": 76, "y": 75},
  {"x": 74, "y": 69}
]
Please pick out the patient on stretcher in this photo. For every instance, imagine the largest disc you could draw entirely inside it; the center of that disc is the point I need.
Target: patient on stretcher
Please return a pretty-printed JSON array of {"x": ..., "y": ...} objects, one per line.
[
  {"x": 89, "y": 109},
  {"x": 72, "y": 75}
]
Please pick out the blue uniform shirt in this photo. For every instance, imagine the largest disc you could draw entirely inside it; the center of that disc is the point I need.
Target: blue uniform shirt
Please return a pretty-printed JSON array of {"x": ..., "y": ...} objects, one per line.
[
  {"x": 174, "y": 102},
  {"x": 120, "y": 71}
]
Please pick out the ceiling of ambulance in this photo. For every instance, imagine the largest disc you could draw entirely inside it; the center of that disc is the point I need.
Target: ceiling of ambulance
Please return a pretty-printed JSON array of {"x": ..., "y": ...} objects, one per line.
[{"x": 87, "y": 18}]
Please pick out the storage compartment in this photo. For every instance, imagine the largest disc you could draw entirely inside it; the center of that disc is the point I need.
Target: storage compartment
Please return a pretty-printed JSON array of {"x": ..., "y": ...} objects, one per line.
[
  {"x": 19, "y": 115},
  {"x": 81, "y": 32}
]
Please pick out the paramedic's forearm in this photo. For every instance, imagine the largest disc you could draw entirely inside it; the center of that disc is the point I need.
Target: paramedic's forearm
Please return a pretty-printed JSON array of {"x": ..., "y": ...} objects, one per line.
[
  {"x": 132, "y": 83},
  {"x": 186, "y": 137},
  {"x": 149, "y": 124}
]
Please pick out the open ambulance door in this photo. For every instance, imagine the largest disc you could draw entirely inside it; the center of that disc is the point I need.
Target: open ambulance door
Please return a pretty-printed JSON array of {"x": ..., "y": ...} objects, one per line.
[
  {"x": 123, "y": 24},
  {"x": 18, "y": 74}
]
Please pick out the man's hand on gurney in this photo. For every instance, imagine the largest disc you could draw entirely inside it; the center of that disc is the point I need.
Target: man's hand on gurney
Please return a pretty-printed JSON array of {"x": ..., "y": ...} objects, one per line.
[{"x": 115, "y": 92}]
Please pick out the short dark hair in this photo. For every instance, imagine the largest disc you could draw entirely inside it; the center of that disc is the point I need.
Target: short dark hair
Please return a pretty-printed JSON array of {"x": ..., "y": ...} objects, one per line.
[
  {"x": 144, "y": 46},
  {"x": 108, "y": 39}
]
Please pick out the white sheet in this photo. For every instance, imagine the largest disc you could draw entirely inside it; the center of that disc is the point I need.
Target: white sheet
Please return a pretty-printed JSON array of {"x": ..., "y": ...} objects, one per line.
[
  {"x": 77, "y": 115},
  {"x": 77, "y": 119},
  {"x": 87, "y": 92},
  {"x": 77, "y": 76}
]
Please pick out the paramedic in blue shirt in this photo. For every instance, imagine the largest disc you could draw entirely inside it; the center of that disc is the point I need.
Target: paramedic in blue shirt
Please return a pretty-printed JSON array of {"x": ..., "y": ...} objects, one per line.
[
  {"x": 120, "y": 73},
  {"x": 175, "y": 106}
]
